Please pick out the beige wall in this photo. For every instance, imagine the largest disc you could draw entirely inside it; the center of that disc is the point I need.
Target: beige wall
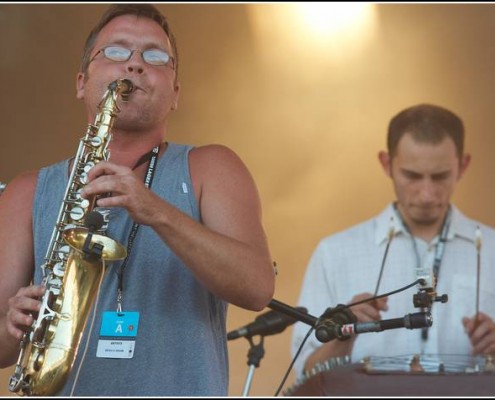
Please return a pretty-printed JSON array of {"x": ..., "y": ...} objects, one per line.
[{"x": 307, "y": 123}]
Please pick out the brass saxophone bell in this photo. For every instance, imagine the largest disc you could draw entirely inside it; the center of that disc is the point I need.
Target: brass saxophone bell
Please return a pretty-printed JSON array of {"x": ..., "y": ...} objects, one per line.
[{"x": 112, "y": 250}]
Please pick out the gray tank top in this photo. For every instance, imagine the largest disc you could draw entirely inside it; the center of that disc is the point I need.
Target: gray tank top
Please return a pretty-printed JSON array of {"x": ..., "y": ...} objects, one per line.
[{"x": 180, "y": 348}]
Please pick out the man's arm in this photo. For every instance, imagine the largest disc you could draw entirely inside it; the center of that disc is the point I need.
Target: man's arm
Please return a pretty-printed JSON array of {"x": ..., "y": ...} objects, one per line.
[
  {"x": 16, "y": 265},
  {"x": 228, "y": 251}
]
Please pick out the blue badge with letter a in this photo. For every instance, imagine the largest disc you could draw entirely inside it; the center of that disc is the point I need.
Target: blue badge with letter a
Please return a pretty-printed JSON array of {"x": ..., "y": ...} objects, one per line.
[{"x": 118, "y": 329}]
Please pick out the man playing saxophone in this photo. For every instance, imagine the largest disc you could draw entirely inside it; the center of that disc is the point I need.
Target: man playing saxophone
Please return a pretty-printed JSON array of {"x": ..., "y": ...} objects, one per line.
[{"x": 190, "y": 218}]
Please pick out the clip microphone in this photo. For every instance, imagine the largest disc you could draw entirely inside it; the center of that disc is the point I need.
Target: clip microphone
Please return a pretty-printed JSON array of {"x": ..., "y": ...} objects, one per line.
[
  {"x": 94, "y": 221},
  {"x": 269, "y": 323},
  {"x": 342, "y": 332},
  {"x": 330, "y": 323}
]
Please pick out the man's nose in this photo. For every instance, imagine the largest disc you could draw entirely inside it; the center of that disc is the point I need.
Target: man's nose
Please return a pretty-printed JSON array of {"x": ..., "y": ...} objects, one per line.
[
  {"x": 135, "y": 63},
  {"x": 427, "y": 190}
]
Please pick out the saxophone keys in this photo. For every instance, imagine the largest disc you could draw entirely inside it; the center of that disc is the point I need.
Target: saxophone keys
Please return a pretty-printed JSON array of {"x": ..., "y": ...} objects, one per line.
[
  {"x": 95, "y": 141},
  {"x": 77, "y": 194},
  {"x": 76, "y": 213},
  {"x": 83, "y": 179},
  {"x": 84, "y": 203},
  {"x": 58, "y": 269},
  {"x": 63, "y": 251},
  {"x": 56, "y": 285},
  {"x": 83, "y": 176},
  {"x": 88, "y": 166}
]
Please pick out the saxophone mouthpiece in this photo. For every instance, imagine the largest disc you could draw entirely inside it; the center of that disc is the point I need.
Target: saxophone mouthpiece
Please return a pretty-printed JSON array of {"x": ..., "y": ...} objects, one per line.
[
  {"x": 128, "y": 86},
  {"x": 123, "y": 86}
]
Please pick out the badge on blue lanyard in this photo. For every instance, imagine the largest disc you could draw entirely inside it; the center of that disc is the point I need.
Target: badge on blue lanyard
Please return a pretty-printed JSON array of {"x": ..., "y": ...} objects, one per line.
[{"x": 117, "y": 333}]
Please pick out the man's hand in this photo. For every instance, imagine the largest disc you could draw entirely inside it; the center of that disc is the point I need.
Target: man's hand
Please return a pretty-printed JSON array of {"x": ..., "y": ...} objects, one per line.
[
  {"x": 21, "y": 309},
  {"x": 481, "y": 332},
  {"x": 369, "y": 311}
]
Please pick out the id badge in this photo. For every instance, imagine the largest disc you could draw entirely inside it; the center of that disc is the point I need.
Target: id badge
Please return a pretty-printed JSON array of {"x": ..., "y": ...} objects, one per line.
[{"x": 117, "y": 334}]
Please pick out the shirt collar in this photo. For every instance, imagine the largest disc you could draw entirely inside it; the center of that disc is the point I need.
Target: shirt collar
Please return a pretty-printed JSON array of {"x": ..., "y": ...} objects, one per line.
[
  {"x": 461, "y": 226},
  {"x": 387, "y": 220},
  {"x": 386, "y": 223}
]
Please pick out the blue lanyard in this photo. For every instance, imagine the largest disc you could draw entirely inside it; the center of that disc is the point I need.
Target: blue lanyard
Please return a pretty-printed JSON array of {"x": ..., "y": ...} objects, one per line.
[
  {"x": 439, "y": 252},
  {"x": 439, "y": 248}
]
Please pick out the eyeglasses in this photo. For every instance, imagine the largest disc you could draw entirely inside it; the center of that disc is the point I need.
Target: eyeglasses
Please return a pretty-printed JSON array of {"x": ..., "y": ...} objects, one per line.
[{"x": 150, "y": 56}]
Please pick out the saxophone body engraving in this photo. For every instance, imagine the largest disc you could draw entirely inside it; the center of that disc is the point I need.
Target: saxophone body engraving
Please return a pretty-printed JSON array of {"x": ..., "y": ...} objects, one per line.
[{"x": 71, "y": 273}]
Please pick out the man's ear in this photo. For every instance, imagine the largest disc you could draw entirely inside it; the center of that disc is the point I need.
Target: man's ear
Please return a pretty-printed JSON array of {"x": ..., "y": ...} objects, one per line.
[
  {"x": 175, "y": 101},
  {"x": 80, "y": 85},
  {"x": 465, "y": 161},
  {"x": 386, "y": 162}
]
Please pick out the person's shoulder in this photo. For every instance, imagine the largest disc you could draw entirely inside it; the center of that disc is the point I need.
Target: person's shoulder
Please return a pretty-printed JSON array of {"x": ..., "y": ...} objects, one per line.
[
  {"x": 215, "y": 151},
  {"x": 23, "y": 180},
  {"x": 21, "y": 187},
  {"x": 486, "y": 229},
  {"x": 471, "y": 224},
  {"x": 215, "y": 156}
]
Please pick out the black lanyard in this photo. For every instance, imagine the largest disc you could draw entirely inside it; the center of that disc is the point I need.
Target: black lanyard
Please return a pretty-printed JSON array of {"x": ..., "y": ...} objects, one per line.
[{"x": 152, "y": 156}]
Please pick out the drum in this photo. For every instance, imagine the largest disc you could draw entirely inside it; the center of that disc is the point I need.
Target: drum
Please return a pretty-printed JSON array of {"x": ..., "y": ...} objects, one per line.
[{"x": 409, "y": 375}]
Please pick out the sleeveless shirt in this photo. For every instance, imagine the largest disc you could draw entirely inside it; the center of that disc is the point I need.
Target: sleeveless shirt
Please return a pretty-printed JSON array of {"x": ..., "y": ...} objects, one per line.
[{"x": 180, "y": 348}]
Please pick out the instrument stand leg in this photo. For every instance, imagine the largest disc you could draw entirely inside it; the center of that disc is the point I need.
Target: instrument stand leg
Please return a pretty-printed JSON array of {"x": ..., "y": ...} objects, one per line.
[{"x": 255, "y": 354}]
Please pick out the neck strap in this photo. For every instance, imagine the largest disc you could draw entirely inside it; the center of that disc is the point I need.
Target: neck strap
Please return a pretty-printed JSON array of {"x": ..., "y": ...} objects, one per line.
[
  {"x": 439, "y": 248},
  {"x": 151, "y": 157}
]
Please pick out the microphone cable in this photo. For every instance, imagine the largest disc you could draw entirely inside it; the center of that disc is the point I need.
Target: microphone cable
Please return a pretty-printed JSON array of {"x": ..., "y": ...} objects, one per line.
[
  {"x": 420, "y": 281},
  {"x": 284, "y": 379}
]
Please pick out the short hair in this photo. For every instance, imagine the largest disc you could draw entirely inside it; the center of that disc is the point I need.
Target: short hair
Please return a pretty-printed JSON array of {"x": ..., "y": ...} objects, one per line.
[
  {"x": 426, "y": 123},
  {"x": 139, "y": 10}
]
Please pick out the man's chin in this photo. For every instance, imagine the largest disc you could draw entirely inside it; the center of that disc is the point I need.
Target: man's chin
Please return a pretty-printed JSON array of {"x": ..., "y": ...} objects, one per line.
[{"x": 426, "y": 218}]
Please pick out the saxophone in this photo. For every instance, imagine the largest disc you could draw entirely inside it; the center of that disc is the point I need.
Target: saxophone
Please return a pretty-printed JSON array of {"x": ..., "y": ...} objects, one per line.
[{"x": 73, "y": 267}]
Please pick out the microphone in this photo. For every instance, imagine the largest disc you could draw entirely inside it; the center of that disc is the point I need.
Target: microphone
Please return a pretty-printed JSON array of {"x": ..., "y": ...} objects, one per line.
[
  {"x": 269, "y": 323},
  {"x": 329, "y": 324},
  {"x": 330, "y": 330},
  {"x": 94, "y": 221}
]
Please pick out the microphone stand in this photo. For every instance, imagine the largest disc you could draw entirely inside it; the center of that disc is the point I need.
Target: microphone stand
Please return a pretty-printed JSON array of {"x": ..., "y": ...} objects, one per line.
[{"x": 255, "y": 354}]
